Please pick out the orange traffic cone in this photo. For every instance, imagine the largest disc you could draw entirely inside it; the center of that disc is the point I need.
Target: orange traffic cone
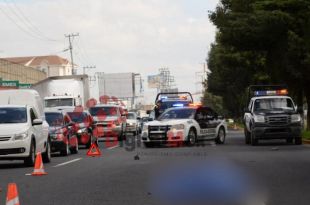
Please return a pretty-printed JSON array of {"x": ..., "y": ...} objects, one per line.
[
  {"x": 38, "y": 166},
  {"x": 12, "y": 195},
  {"x": 93, "y": 151}
]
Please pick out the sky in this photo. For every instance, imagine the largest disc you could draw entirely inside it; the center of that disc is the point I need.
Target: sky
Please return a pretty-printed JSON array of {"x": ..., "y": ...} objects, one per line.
[{"x": 137, "y": 36}]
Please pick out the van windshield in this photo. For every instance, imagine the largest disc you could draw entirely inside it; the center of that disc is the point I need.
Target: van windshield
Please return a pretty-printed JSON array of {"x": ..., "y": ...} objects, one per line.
[
  {"x": 59, "y": 102},
  {"x": 13, "y": 115},
  {"x": 54, "y": 119}
]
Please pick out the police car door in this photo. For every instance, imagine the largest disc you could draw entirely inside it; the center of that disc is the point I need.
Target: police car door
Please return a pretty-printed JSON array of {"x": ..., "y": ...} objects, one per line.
[
  {"x": 212, "y": 122},
  {"x": 201, "y": 118}
]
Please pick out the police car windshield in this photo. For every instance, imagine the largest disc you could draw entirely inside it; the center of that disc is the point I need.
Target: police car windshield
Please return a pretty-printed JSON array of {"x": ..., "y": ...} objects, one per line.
[
  {"x": 185, "y": 113},
  {"x": 13, "y": 115},
  {"x": 269, "y": 104}
]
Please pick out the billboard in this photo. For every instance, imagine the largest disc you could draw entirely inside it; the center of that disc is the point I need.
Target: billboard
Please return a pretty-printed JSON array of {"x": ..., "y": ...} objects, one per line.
[
  {"x": 153, "y": 81},
  {"x": 120, "y": 85}
]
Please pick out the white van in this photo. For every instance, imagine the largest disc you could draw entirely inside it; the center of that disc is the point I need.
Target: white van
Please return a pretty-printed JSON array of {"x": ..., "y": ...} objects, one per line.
[{"x": 23, "y": 129}]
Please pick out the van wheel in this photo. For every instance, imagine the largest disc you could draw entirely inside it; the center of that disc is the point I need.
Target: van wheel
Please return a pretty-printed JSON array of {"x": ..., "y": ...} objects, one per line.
[
  {"x": 29, "y": 161},
  {"x": 148, "y": 144},
  {"x": 47, "y": 154}
]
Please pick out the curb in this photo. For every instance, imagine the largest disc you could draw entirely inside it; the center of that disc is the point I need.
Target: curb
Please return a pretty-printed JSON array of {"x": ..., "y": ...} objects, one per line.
[{"x": 305, "y": 141}]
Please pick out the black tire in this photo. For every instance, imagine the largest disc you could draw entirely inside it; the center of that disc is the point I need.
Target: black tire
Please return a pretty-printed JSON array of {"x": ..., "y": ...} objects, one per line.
[
  {"x": 289, "y": 140},
  {"x": 75, "y": 149},
  {"x": 148, "y": 144},
  {"x": 30, "y": 160},
  {"x": 298, "y": 140},
  {"x": 65, "y": 152},
  {"x": 47, "y": 154},
  {"x": 192, "y": 137},
  {"x": 254, "y": 141},
  {"x": 221, "y": 136},
  {"x": 247, "y": 136}
]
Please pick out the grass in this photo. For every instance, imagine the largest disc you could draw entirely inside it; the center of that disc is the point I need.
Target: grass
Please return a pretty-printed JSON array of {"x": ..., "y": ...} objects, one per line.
[{"x": 306, "y": 134}]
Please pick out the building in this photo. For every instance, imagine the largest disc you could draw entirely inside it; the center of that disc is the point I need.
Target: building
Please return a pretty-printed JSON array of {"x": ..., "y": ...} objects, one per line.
[
  {"x": 52, "y": 65},
  {"x": 15, "y": 72}
]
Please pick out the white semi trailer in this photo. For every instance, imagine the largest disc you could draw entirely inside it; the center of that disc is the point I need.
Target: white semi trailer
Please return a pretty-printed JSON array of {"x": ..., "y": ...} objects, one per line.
[{"x": 63, "y": 91}]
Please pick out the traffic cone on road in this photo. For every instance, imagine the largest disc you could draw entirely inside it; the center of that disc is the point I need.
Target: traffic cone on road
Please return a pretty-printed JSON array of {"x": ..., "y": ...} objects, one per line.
[
  {"x": 93, "y": 150},
  {"x": 38, "y": 166},
  {"x": 12, "y": 195}
]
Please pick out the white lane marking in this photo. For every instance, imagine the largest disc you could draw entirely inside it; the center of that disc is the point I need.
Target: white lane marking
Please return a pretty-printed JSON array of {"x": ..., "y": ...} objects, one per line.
[
  {"x": 68, "y": 162},
  {"x": 113, "y": 147},
  {"x": 28, "y": 174}
]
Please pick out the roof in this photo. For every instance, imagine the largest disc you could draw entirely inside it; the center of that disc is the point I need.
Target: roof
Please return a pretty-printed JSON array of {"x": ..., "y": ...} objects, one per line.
[
  {"x": 34, "y": 61},
  {"x": 270, "y": 97}
]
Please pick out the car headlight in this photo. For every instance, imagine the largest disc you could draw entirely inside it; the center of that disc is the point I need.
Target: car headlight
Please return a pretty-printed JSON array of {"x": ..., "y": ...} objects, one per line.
[
  {"x": 145, "y": 128},
  {"x": 296, "y": 118},
  {"x": 80, "y": 131},
  {"x": 178, "y": 127},
  {"x": 21, "y": 136},
  {"x": 259, "y": 118}
]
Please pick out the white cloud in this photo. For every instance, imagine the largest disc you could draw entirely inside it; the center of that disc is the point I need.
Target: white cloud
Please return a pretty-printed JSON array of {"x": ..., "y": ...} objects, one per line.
[{"x": 119, "y": 35}]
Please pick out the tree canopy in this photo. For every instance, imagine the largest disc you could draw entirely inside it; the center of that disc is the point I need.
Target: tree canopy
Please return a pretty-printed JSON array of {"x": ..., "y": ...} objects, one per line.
[{"x": 259, "y": 42}]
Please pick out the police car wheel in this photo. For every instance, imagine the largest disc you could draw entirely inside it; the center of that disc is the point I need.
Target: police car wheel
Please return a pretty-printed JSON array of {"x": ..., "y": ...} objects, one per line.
[
  {"x": 254, "y": 141},
  {"x": 221, "y": 136},
  {"x": 191, "y": 137},
  {"x": 298, "y": 141},
  {"x": 247, "y": 135}
]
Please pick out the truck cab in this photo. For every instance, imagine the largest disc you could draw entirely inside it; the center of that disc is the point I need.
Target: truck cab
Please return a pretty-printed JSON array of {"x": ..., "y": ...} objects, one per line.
[
  {"x": 272, "y": 114},
  {"x": 65, "y": 101}
]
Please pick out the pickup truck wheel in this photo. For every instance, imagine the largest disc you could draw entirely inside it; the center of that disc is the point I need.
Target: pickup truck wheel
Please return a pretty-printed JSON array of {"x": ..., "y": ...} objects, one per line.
[
  {"x": 47, "y": 154},
  {"x": 192, "y": 137},
  {"x": 254, "y": 141},
  {"x": 220, "y": 139},
  {"x": 66, "y": 151},
  {"x": 298, "y": 140},
  {"x": 289, "y": 140},
  {"x": 247, "y": 135},
  {"x": 29, "y": 161}
]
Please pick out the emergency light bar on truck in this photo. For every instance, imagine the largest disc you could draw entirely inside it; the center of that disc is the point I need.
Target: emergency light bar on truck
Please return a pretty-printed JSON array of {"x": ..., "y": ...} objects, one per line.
[
  {"x": 174, "y": 95},
  {"x": 270, "y": 92}
]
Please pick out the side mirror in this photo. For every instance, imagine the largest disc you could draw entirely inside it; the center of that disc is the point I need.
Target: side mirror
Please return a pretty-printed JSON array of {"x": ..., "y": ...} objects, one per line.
[
  {"x": 148, "y": 112},
  {"x": 37, "y": 122},
  {"x": 246, "y": 110},
  {"x": 300, "y": 110}
]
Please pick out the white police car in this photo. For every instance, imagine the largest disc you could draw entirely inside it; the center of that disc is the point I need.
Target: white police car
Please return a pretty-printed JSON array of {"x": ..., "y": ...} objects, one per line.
[{"x": 185, "y": 124}]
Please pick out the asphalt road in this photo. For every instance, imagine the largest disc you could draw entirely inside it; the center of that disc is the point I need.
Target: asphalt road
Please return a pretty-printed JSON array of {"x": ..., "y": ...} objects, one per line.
[{"x": 117, "y": 178}]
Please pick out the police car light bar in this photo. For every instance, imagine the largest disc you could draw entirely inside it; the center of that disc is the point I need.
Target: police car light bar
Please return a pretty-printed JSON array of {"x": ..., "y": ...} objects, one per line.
[
  {"x": 178, "y": 105},
  {"x": 270, "y": 92}
]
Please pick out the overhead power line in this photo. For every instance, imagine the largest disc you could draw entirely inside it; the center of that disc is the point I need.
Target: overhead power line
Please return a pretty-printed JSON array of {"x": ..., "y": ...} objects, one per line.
[{"x": 22, "y": 22}]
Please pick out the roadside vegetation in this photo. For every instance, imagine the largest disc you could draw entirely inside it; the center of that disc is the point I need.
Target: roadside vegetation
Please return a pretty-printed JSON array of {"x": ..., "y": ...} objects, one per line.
[{"x": 258, "y": 42}]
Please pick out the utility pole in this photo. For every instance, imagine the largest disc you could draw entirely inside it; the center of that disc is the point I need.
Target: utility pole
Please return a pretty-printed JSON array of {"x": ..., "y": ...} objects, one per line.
[
  {"x": 87, "y": 67},
  {"x": 71, "y": 37}
]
